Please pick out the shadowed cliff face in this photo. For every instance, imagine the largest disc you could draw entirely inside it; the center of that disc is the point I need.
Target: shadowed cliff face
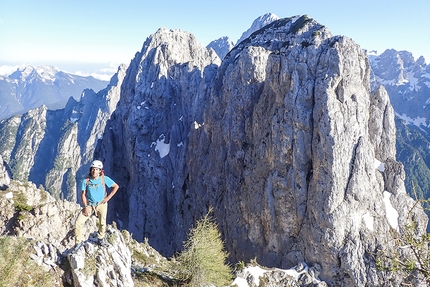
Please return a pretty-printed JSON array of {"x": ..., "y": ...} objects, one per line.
[{"x": 283, "y": 138}]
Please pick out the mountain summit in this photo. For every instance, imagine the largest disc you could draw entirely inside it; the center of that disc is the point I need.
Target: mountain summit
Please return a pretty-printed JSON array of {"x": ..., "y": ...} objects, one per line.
[{"x": 258, "y": 23}]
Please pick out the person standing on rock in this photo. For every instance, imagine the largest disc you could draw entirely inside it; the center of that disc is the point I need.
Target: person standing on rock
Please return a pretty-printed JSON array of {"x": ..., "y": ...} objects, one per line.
[{"x": 94, "y": 200}]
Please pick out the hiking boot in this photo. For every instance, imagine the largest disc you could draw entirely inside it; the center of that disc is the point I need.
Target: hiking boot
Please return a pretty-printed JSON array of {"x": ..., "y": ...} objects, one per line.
[{"x": 103, "y": 242}]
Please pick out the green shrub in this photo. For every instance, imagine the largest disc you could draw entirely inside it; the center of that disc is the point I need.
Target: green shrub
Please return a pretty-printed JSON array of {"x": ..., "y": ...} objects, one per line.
[
  {"x": 203, "y": 261},
  {"x": 21, "y": 203}
]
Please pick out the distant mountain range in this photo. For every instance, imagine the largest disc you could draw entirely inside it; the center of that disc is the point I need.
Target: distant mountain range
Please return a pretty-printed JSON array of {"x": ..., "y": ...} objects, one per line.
[
  {"x": 30, "y": 87},
  {"x": 408, "y": 83}
]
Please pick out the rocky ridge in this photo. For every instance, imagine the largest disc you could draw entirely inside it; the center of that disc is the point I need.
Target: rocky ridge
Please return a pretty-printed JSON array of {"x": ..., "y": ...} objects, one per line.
[
  {"x": 30, "y": 87},
  {"x": 283, "y": 138},
  {"x": 258, "y": 23},
  {"x": 408, "y": 83}
]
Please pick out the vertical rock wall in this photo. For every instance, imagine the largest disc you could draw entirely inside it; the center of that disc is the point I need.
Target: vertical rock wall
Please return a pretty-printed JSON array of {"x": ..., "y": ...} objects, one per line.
[{"x": 284, "y": 139}]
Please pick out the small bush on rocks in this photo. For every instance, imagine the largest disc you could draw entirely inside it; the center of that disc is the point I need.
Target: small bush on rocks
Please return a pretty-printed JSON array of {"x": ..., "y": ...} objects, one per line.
[{"x": 203, "y": 261}]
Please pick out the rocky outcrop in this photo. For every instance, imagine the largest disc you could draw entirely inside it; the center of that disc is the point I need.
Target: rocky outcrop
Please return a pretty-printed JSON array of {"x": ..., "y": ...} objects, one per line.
[
  {"x": 94, "y": 266},
  {"x": 283, "y": 138},
  {"x": 301, "y": 275},
  {"x": 162, "y": 99},
  {"x": 4, "y": 175},
  {"x": 29, "y": 212},
  {"x": 53, "y": 148}
]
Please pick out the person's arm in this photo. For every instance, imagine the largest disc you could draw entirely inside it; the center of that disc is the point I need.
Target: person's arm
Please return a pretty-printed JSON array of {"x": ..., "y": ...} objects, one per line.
[
  {"x": 115, "y": 188},
  {"x": 87, "y": 208}
]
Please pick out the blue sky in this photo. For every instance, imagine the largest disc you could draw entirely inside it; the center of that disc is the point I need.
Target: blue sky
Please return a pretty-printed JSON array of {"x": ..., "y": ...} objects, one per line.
[{"x": 95, "y": 36}]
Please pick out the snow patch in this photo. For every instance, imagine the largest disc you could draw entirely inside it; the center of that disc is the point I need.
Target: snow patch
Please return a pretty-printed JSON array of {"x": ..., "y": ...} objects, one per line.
[
  {"x": 413, "y": 82},
  {"x": 162, "y": 147},
  {"x": 74, "y": 119},
  {"x": 197, "y": 125},
  {"x": 414, "y": 121},
  {"x": 368, "y": 221},
  {"x": 256, "y": 272},
  {"x": 379, "y": 165},
  {"x": 392, "y": 214},
  {"x": 9, "y": 195}
]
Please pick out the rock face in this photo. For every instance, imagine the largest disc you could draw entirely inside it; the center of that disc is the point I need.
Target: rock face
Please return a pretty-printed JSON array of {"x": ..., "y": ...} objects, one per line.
[
  {"x": 221, "y": 46},
  {"x": 283, "y": 138},
  {"x": 94, "y": 266},
  {"x": 145, "y": 144},
  {"x": 408, "y": 83},
  {"x": 4, "y": 175},
  {"x": 54, "y": 147}
]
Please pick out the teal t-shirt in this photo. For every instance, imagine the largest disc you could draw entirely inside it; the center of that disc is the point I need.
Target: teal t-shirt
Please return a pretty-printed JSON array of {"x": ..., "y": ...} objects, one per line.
[{"x": 96, "y": 191}]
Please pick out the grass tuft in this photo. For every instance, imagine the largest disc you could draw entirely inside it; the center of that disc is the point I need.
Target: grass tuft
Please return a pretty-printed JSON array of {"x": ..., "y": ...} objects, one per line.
[{"x": 16, "y": 266}]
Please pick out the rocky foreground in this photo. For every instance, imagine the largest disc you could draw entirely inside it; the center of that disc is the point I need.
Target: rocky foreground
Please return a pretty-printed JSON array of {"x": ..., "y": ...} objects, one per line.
[{"x": 45, "y": 225}]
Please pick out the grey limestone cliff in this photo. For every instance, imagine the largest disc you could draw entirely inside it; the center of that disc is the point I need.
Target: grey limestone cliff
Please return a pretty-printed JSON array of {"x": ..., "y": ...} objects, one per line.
[{"x": 284, "y": 138}]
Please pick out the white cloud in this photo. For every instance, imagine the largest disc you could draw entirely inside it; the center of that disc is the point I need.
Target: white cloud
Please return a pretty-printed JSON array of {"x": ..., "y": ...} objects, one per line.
[
  {"x": 100, "y": 76},
  {"x": 104, "y": 73}
]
